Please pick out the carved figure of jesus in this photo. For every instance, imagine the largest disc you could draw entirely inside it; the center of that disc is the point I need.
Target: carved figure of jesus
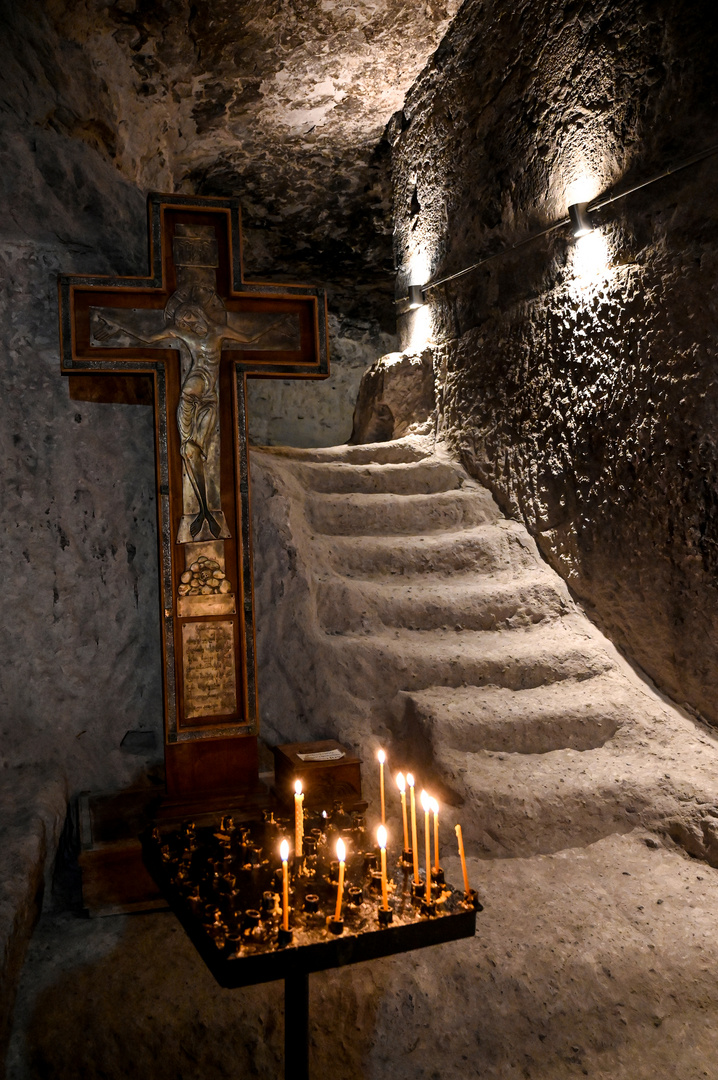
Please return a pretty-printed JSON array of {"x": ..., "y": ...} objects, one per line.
[{"x": 202, "y": 328}]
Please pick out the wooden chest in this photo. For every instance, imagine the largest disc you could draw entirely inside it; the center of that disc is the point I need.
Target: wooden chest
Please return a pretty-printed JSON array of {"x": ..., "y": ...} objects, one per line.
[{"x": 336, "y": 779}]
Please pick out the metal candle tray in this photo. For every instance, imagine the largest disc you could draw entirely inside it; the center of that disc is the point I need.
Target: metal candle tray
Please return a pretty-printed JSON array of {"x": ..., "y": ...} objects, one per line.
[{"x": 224, "y": 883}]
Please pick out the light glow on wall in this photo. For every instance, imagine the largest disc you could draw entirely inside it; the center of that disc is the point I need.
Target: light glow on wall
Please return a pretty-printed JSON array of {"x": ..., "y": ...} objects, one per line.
[
  {"x": 418, "y": 266},
  {"x": 419, "y": 324},
  {"x": 420, "y": 327},
  {"x": 591, "y": 262},
  {"x": 581, "y": 189}
]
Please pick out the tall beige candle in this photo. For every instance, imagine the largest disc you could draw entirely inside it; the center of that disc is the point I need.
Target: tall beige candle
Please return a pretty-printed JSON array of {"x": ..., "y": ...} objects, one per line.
[
  {"x": 298, "y": 820},
  {"x": 462, "y": 856},
  {"x": 435, "y": 811},
  {"x": 414, "y": 841},
  {"x": 401, "y": 784},
  {"x": 426, "y": 803},
  {"x": 284, "y": 854},
  {"x": 341, "y": 855},
  {"x": 381, "y": 838},
  {"x": 382, "y": 758}
]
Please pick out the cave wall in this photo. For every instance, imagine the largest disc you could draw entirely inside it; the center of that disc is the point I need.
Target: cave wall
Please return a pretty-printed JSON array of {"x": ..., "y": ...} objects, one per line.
[
  {"x": 80, "y": 631},
  {"x": 578, "y": 378}
]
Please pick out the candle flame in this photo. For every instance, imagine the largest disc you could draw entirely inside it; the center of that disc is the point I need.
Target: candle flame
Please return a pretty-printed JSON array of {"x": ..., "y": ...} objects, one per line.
[
  {"x": 426, "y": 801},
  {"x": 401, "y": 782},
  {"x": 435, "y": 806},
  {"x": 341, "y": 850},
  {"x": 298, "y": 787},
  {"x": 284, "y": 850},
  {"x": 382, "y": 757},
  {"x": 410, "y": 779},
  {"x": 381, "y": 836}
]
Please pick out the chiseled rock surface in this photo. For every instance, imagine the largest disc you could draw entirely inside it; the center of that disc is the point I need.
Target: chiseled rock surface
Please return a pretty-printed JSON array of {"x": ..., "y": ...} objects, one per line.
[
  {"x": 311, "y": 412},
  {"x": 100, "y": 105},
  {"x": 285, "y": 103},
  {"x": 79, "y": 555},
  {"x": 578, "y": 380},
  {"x": 396, "y": 398}
]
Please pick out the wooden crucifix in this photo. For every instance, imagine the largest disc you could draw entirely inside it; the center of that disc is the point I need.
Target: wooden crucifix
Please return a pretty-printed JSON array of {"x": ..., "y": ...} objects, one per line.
[{"x": 186, "y": 339}]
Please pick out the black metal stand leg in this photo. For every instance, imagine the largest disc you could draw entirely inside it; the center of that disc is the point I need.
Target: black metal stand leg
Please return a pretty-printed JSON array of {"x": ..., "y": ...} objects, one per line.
[{"x": 296, "y": 1026}]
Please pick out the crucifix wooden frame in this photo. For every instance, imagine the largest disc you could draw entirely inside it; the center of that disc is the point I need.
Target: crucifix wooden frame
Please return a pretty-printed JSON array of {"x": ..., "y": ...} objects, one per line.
[{"x": 186, "y": 339}]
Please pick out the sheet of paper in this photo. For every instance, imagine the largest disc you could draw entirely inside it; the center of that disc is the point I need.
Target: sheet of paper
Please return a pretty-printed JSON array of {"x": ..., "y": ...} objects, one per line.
[{"x": 322, "y": 755}]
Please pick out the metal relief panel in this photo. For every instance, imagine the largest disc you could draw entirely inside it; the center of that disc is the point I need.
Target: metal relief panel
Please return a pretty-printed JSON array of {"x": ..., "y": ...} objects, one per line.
[
  {"x": 210, "y": 687},
  {"x": 204, "y": 588}
]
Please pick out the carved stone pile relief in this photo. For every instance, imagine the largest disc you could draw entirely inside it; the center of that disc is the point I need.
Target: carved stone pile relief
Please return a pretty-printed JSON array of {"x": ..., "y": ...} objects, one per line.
[{"x": 204, "y": 578}]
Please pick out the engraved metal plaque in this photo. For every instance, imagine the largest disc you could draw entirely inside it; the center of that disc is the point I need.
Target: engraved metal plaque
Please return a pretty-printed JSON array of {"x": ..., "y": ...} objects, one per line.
[
  {"x": 210, "y": 687},
  {"x": 204, "y": 588}
]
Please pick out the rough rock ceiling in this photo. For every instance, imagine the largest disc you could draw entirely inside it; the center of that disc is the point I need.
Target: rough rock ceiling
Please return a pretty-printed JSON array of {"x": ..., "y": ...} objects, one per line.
[{"x": 283, "y": 102}]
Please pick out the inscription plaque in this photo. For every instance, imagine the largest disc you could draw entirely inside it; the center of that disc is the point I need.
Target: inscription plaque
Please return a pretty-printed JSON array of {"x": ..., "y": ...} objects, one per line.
[{"x": 209, "y": 683}]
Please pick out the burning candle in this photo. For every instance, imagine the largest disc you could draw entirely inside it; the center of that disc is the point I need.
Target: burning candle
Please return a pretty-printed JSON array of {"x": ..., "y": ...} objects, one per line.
[
  {"x": 414, "y": 842},
  {"x": 284, "y": 855},
  {"x": 401, "y": 784},
  {"x": 462, "y": 856},
  {"x": 298, "y": 820},
  {"x": 341, "y": 855},
  {"x": 382, "y": 758},
  {"x": 435, "y": 811},
  {"x": 381, "y": 838},
  {"x": 426, "y": 803}
]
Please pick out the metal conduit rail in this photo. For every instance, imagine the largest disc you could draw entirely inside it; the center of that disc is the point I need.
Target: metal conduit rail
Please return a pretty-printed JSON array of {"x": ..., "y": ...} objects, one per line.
[{"x": 592, "y": 207}]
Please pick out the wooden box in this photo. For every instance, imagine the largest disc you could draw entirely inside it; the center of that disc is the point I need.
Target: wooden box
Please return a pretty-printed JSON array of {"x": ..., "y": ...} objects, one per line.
[{"x": 324, "y": 783}]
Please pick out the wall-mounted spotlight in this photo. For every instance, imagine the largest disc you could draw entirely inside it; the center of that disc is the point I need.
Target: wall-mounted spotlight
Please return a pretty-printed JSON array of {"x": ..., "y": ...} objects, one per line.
[
  {"x": 580, "y": 219},
  {"x": 416, "y": 297}
]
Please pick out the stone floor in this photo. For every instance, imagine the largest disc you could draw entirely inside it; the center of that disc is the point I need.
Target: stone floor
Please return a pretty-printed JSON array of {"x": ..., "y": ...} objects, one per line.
[{"x": 598, "y": 961}]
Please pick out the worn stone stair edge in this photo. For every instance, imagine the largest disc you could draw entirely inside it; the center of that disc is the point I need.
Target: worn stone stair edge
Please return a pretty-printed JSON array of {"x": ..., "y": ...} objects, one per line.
[
  {"x": 425, "y": 477},
  {"x": 482, "y": 548},
  {"x": 345, "y": 605},
  {"x": 401, "y": 451}
]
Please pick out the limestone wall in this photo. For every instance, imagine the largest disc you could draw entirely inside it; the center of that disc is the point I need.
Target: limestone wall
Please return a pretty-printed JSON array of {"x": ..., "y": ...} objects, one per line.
[
  {"x": 578, "y": 381},
  {"x": 80, "y": 625}
]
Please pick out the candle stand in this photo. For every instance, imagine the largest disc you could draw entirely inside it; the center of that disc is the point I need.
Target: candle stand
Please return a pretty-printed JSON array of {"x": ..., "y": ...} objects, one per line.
[{"x": 224, "y": 884}]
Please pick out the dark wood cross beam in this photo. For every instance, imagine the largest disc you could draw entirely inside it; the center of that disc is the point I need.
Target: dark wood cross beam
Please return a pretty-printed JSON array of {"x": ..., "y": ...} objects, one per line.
[{"x": 186, "y": 339}]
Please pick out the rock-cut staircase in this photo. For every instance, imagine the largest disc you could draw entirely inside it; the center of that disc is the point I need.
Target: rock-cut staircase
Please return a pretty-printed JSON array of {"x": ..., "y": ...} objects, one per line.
[{"x": 413, "y": 611}]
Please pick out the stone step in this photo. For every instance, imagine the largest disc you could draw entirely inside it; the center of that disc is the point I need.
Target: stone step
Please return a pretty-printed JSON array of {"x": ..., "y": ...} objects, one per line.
[
  {"x": 414, "y": 659},
  {"x": 406, "y": 478},
  {"x": 399, "y": 451},
  {"x": 483, "y": 549},
  {"x": 466, "y": 602},
  {"x": 571, "y": 714},
  {"x": 526, "y": 805},
  {"x": 362, "y": 515}
]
